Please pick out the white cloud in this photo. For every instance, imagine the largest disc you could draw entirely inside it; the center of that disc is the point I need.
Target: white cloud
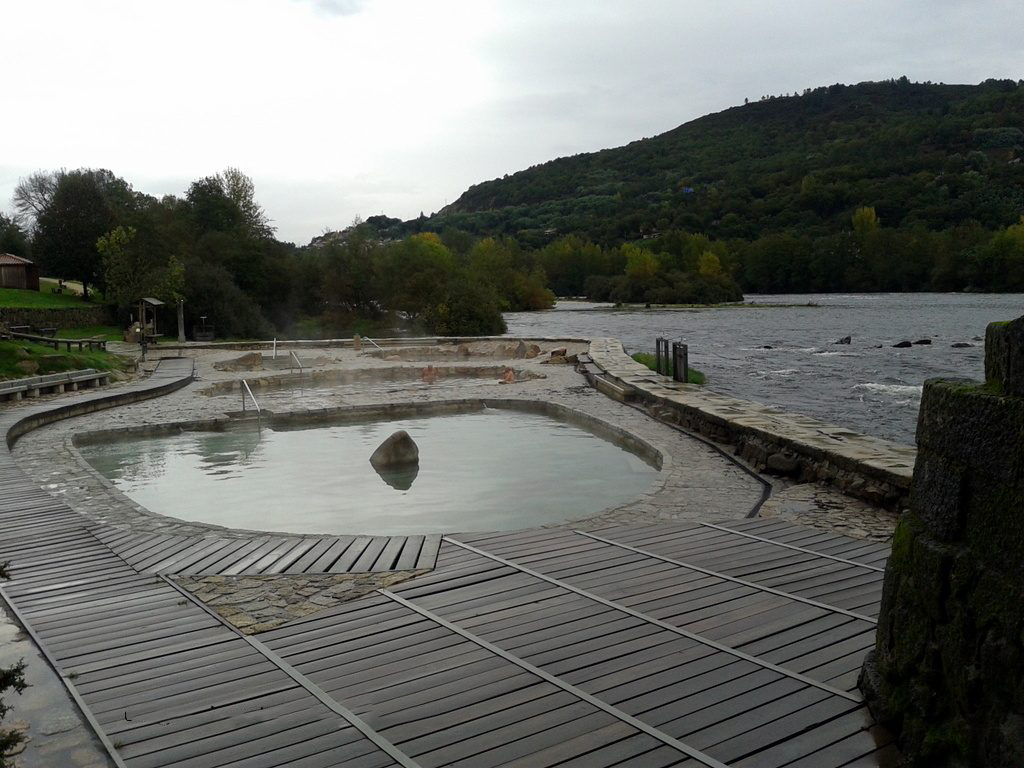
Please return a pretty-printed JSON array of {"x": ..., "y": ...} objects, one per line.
[{"x": 346, "y": 107}]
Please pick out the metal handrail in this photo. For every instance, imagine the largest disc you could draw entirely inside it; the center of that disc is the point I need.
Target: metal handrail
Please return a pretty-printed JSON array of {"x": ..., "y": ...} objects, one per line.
[
  {"x": 252, "y": 397},
  {"x": 296, "y": 359},
  {"x": 378, "y": 346}
]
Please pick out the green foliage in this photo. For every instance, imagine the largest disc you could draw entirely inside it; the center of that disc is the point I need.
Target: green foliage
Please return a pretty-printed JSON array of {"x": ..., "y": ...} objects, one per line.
[
  {"x": 20, "y": 299},
  {"x": 940, "y": 167},
  {"x": 13, "y": 238},
  {"x": 50, "y": 361},
  {"x": 132, "y": 271},
  {"x": 108, "y": 332},
  {"x": 693, "y": 375},
  {"x": 466, "y": 308},
  {"x": 865, "y": 220},
  {"x": 84, "y": 206}
]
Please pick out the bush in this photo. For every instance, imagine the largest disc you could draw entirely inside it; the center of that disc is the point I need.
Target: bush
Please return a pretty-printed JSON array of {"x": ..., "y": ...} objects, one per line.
[{"x": 467, "y": 309}]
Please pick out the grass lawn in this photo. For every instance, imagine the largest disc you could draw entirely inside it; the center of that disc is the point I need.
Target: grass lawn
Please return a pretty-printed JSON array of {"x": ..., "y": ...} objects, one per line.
[
  {"x": 13, "y": 352},
  {"x": 15, "y": 298},
  {"x": 108, "y": 332},
  {"x": 695, "y": 376}
]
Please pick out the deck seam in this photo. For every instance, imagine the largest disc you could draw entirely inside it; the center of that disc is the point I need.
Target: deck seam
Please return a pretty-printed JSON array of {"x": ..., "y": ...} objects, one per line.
[
  {"x": 658, "y": 622},
  {"x": 726, "y": 577},
  {"x": 615, "y": 712},
  {"x": 791, "y": 546},
  {"x": 308, "y": 685},
  {"x": 82, "y": 707}
]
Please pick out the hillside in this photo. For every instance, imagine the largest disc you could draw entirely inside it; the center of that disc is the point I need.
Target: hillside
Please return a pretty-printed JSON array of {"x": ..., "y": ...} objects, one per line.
[{"x": 923, "y": 155}]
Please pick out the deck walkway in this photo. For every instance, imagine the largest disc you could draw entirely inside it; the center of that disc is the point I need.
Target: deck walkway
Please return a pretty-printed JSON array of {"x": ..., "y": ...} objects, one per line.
[{"x": 673, "y": 645}]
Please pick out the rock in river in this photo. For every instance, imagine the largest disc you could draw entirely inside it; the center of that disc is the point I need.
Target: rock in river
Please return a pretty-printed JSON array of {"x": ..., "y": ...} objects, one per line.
[{"x": 902, "y": 344}]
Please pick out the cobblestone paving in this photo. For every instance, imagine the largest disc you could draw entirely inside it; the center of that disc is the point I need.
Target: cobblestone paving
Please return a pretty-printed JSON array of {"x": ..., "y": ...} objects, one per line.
[
  {"x": 819, "y": 506},
  {"x": 260, "y": 603}
]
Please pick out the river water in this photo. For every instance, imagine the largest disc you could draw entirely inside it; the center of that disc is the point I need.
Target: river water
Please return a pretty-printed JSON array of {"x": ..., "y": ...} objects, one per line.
[{"x": 785, "y": 356}]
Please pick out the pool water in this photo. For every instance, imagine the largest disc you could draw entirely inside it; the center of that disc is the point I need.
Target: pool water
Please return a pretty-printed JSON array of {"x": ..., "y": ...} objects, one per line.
[{"x": 479, "y": 471}]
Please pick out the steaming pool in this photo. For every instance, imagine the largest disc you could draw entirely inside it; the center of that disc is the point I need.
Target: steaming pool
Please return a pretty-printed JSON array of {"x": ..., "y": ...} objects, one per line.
[{"x": 485, "y": 470}]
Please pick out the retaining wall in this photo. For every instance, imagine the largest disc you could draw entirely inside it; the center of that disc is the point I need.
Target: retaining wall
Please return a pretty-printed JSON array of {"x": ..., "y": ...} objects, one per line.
[
  {"x": 72, "y": 317},
  {"x": 947, "y": 672},
  {"x": 878, "y": 471}
]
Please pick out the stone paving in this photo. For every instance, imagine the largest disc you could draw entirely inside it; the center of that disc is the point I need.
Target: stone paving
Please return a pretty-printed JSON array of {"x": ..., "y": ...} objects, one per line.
[
  {"x": 260, "y": 603},
  {"x": 696, "y": 482},
  {"x": 854, "y": 461},
  {"x": 819, "y": 506}
]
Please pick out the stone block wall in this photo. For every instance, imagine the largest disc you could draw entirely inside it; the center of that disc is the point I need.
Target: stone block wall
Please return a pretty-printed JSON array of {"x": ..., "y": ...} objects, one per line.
[
  {"x": 947, "y": 672},
  {"x": 72, "y": 317}
]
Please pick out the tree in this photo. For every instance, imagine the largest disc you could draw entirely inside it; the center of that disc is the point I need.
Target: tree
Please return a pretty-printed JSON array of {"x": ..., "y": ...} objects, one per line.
[
  {"x": 68, "y": 228},
  {"x": 640, "y": 263},
  {"x": 33, "y": 194},
  {"x": 865, "y": 220},
  {"x": 414, "y": 273},
  {"x": 132, "y": 271},
  {"x": 708, "y": 264},
  {"x": 242, "y": 192},
  {"x": 13, "y": 239}
]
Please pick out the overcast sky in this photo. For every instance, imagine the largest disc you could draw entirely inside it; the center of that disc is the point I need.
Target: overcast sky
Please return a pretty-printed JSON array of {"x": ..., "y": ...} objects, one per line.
[{"x": 339, "y": 108}]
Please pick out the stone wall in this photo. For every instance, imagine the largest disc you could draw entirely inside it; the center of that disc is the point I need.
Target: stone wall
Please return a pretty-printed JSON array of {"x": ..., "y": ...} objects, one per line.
[
  {"x": 948, "y": 669},
  {"x": 869, "y": 468},
  {"x": 72, "y": 317}
]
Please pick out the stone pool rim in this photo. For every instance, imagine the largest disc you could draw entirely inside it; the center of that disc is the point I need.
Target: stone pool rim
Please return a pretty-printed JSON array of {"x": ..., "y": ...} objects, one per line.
[{"x": 323, "y": 417}]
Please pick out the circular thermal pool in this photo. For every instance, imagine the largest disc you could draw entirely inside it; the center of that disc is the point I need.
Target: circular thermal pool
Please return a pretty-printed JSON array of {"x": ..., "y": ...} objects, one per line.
[{"x": 484, "y": 470}]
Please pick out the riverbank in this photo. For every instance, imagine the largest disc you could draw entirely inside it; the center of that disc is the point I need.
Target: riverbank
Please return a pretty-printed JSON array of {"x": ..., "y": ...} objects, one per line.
[{"x": 786, "y": 358}]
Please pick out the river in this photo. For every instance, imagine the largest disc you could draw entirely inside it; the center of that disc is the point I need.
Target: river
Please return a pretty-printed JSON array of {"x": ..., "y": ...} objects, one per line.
[{"x": 786, "y": 356}]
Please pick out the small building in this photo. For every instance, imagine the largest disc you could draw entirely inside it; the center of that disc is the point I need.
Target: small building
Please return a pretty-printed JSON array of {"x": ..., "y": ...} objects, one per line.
[{"x": 16, "y": 272}]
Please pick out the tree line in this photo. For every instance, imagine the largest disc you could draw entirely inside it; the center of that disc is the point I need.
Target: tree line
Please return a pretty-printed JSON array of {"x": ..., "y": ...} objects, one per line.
[{"x": 214, "y": 248}]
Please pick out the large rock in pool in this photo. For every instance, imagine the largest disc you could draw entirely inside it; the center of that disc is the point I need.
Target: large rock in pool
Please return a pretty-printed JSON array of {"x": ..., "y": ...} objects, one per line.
[{"x": 399, "y": 450}]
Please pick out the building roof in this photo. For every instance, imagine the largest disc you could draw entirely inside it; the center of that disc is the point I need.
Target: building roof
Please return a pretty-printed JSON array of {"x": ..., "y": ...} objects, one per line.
[{"x": 8, "y": 259}]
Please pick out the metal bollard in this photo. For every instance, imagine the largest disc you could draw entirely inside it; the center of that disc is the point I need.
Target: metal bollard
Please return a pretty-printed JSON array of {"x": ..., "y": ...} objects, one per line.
[
  {"x": 661, "y": 356},
  {"x": 680, "y": 362}
]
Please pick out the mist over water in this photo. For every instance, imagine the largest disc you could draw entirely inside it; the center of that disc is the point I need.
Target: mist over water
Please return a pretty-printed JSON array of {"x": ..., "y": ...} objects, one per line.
[{"x": 867, "y": 385}]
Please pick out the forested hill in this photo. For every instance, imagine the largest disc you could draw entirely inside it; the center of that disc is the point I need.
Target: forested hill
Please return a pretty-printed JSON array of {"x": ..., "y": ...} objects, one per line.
[{"x": 922, "y": 154}]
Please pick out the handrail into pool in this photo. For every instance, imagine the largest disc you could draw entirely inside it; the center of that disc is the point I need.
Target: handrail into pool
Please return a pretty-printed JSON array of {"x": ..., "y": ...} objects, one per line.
[
  {"x": 378, "y": 346},
  {"x": 296, "y": 359},
  {"x": 252, "y": 397}
]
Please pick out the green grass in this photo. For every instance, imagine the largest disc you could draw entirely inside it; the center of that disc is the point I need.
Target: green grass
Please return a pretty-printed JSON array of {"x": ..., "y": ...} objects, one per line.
[
  {"x": 13, "y": 352},
  {"x": 15, "y": 298},
  {"x": 694, "y": 377},
  {"x": 108, "y": 332}
]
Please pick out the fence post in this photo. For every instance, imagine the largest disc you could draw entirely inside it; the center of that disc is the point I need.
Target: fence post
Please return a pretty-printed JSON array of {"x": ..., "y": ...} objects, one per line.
[{"x": 657, "y": 354}]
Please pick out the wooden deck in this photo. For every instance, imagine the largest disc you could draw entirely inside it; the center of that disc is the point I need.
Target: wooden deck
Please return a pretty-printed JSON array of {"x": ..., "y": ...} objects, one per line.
[{"x": 675, "y": 645}]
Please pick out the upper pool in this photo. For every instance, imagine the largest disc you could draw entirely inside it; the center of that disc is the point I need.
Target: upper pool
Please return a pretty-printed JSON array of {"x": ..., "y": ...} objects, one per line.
[{"x": 486, "y": 470}]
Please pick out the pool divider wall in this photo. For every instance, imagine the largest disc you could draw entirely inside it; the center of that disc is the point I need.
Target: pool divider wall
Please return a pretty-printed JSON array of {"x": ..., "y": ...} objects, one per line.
[
  {"x": 394, "y": 373},
  {"x": 348, "y": 414},
  {"x": 396, "y": 341}
]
